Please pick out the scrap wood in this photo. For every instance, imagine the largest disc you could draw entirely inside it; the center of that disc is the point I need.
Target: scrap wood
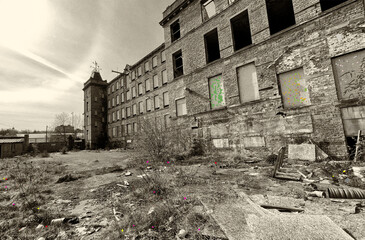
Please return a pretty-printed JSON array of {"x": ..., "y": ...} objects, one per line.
[
  {"x": 357, "y": 145},
  {"x": 279, "y": 160},
  {"x": 286, "y": 176},
  {"x": 304, "y": 176},
  {"x": 282, "y": 209}
]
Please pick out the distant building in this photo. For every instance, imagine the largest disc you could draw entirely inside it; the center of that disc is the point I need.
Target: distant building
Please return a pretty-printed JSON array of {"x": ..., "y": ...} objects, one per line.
[
  {"x": 255, "y": 74},
  {"x": 13, "y": 146}
]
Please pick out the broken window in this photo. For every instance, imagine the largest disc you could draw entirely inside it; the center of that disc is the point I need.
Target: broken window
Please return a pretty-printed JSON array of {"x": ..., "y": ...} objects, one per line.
[
  {"x": 140, "y": 89},
  {"x": 327, "y": 4},
  {"x": 208, "y": 9},
  {"x": 163, "y": 56},
  {"x": 294, "y": 89},
  {"x": 212, "y": 46},
  {"x": 148, "y": 85},
  {"x": 349, "y": 73},
  {"x": 164, "y": 77},
  {"x": 216, "y": 92},
  {"x": 175, "y": 30},
  {"x": 178, "y": 64},
  {"x": 134, "y": 109},
  {"x": 181, "y": 107},
  {"x": 149, "y": 104},
  {"x": 165, "y": 99},
  {"x": 140, "y": 105},
  {"x": 128, "y": 111},
  {"x": 135, "y": 129},
  {"x": 154, "y": 61},
  {"x": 122, "y": 97},
  {"x": 123, "y": 113},
  {"x": 155, "y": 81},
  {"x": 280, "y": 14},
  {"x": 241, "y": 31},
  {"x": 134, "y": 93},
  {"x": 146, "y": 66},
  {"x": 247, "y": 83}
]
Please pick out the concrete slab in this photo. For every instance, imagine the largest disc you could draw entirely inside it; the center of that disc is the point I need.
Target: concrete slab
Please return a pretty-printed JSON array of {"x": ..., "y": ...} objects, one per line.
[{"x": 302, "y": 152}]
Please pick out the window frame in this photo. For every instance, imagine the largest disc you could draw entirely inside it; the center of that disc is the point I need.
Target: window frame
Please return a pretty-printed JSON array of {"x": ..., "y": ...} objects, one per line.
[
  {"x": 177, "y": 32},
  {"x": 176, "y": 104},
  {"x": 174, "y": 59}
]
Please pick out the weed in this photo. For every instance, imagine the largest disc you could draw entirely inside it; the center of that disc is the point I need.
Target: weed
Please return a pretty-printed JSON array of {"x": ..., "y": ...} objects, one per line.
[{"x": 45, "y": 154}]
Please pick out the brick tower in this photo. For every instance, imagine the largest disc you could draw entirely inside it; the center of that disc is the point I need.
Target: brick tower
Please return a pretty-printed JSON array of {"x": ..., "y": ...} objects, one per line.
[{"x": 95, "y": 110}]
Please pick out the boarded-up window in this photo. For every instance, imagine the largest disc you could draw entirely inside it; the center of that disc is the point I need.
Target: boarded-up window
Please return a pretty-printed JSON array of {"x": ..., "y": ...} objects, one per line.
[
  {"x": 216, "y": 91},
  {"x": 134, "y": 92},
  {"x": 129, "y": 129},
  {"x": 122, "y": 97},
  {"x": 280, "y": 14},
  {"x": 117, "y": 84},
  {"x": 146, "y": 66},
  {"x": 247, "y": 83},
  {"x": 164, "y": 77},
  {"x": 114, "y": 132},
  {"x": 134, "y": 108},
  {"x": 167, "y": 120},
  {"x": 113, "y": 102},
  {"x": 113, "y": 88},
  {"x": 118, "y": 100},
  {"x": 157, "y": 102},
  {"x": 294, "y": 89},
  {"x": 154, "y": 61},
  {"x": 148, "y": 85},
  {"x": 123, "y": 113},
  {"x": 163, "y": 56},
  {"x": 149, "y": 104},
  {"x": 155, "y": 81},
  {"x": 109, "y": 105},
  {"x": 135, "y": 129},
  {"x": 140, "y": 105},
  {"x": 128, "y": 95},
  {"x": 128, "y": 111},
  {"x": 181, "y": 107},
  {"x": 113, "y": 116},
  {"x": 349, "y": 72},
  {"x": 133, "y": 75},
  {"x": 139, "y": 71},
  {"x": 140, "y": 89},
  {"x": 118, "y": 115},
  {"x": 208, "y": 9},
  {"x": 165, "y": 99}
]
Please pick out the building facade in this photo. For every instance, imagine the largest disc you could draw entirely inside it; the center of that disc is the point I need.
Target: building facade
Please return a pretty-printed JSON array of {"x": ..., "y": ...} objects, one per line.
[{"x": 250, "y": 74}]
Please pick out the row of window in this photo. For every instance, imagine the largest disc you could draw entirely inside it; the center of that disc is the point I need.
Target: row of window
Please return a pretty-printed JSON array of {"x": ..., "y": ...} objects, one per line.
[
  {"x": 132, "y": 128},
  {"x": 128, "y": 111},
  {"x": 149, "y": 85},
  {"x": 138, "y": 72},
  {"x": 280, "y": 16}
]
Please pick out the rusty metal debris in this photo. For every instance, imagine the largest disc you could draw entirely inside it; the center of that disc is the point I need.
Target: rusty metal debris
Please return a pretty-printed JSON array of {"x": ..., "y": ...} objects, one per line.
[{"x": 345, "y": 193}]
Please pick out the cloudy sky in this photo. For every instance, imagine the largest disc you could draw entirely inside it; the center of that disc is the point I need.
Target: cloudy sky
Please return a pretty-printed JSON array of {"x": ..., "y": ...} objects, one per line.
[{"x": 48, "y": 46}]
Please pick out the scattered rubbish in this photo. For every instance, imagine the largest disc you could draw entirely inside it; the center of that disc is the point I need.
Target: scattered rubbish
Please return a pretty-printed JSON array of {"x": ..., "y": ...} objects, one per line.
[
  {"x": 360, "y": 207},
  {"x": 22, "y": 229},
  {"x": 279, "y": 164},
  {"x": 73, "y": 220},
  {"x": 182, "y": 233},
  {"x": 302, "y": 152},
  {"x": 325, "y": 182},
  {"x": 319, "y": 194},
  {"x": 282, "y": 209},
  {"x": 120, "y": 185},
  {"x": 41, "y": 238},
  {"x": 62, "y": 235},
  {"x": 128, "y": 174},
  {"x": 357, "y": 146},
  {"x": 142, "y": 176},
  {"x": 39, "y": 227},
  {"x": 126, "y": 183},
  {"x": 92, "y": 190},
  {"x": 304, "y": 176},
  {"x": 149, "y": 167},
  {"x": 58, "y": 220},
  {"x": 320, "y": 154},
  {"x": 152, "y": 209},
  {"x": 358, "y": 172},
  {"x": 115, "y": 214},
  {"x": 337, "y": 201},
  {"x": 345, "y": 193},
  {"x": 309, "y": 181},
  {"x": 66, "y": 178}
]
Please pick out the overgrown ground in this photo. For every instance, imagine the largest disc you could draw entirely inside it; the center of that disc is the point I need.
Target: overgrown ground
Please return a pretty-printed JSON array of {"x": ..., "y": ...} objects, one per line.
[{"x": 158, "y": 200}]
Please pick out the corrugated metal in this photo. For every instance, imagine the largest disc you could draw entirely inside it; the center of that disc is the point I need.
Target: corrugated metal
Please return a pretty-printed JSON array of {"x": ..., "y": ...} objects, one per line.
[{"x": 11, "y": 140}]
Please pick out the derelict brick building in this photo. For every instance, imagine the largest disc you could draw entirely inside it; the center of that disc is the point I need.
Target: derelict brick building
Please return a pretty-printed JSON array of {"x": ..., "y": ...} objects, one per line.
[{"x": 248, "y": 74}]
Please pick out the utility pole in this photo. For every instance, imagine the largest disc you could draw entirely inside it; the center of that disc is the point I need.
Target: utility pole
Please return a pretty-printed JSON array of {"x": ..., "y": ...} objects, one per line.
[{"x": 46, "y": 132}]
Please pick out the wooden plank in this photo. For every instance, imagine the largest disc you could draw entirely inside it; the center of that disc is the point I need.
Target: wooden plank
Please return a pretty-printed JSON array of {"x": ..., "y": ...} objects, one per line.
[{"x": 281, "y": 208}]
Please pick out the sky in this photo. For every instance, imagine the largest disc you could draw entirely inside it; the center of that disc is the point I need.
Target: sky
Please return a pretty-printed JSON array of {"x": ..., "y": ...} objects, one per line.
[{"x": 47, "y": 48}]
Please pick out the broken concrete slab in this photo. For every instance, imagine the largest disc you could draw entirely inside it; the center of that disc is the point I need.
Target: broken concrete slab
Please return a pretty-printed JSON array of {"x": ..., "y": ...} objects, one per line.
[
  {"x": 297, "y": 226},
  {"x": 57, "y": 221},
  {"x": 302, "y": 152}
]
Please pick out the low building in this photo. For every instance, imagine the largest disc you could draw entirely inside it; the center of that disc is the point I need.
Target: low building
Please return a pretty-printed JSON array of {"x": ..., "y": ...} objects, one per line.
[{"x": 13, "y": 146}]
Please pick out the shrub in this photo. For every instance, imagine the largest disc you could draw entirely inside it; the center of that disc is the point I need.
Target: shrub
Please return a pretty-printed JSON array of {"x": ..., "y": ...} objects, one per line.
[
  {"x": 63, "y": 150},
  {"x": 45, "y": 154},
  {"x": 271, "y": 159}
]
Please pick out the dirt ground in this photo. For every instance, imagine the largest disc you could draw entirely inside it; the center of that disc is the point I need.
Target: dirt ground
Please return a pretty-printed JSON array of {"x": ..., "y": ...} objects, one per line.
[{"x": 120, "y": 195}]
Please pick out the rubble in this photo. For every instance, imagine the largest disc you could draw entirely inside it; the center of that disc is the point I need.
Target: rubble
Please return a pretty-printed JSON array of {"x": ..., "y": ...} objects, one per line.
[
  {"x": 57, "y": 221},
  {"x": 128, "y": 173}
]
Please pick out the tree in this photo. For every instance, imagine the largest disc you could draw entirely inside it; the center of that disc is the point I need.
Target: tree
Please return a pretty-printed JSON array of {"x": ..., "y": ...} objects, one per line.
[{"x": 60, "y": 124}]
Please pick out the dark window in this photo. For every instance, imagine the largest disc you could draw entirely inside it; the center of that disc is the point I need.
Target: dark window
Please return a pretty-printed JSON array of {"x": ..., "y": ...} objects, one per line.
[
  {"x": 327, "y": 4},
  {"x": 241, "y": 31},
  {"x": 178, "y": 64},
  {"x": 280, "y": 14},
  {"x": 175, "y": 31},
  {"x": 212, "y": 46}
]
